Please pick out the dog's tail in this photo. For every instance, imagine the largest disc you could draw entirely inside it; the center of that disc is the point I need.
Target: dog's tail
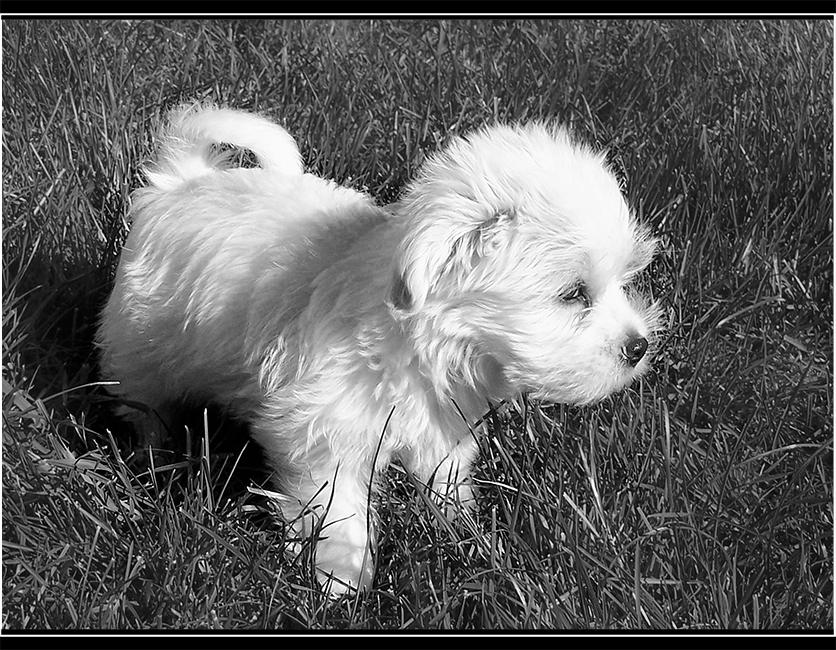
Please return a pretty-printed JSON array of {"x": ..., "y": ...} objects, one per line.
[{"x": 190, "y": 144}]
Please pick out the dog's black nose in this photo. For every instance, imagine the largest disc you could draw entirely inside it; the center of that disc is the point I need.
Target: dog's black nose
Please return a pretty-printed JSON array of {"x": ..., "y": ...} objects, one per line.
[{"x": 634, "y": 349}]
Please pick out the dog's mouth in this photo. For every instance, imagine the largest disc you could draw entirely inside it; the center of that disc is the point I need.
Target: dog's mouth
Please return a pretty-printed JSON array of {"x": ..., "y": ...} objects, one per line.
[{"x": 589, "y": 384}]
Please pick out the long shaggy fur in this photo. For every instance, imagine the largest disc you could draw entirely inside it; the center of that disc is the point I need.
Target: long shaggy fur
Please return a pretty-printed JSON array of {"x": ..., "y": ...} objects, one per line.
[{"x": 315, "y": 315}]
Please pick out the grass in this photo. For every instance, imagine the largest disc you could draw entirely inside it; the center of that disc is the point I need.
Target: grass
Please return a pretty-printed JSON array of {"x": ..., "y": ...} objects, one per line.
[{"x": 700, "y": 499}]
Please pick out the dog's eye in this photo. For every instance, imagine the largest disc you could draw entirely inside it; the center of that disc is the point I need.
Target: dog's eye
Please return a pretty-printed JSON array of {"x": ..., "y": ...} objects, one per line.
[{"x": 577, "y": 294}]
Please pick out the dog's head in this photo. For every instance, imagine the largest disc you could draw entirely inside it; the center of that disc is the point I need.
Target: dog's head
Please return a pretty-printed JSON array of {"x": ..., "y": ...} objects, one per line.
[{"x": 515, "y": 269}]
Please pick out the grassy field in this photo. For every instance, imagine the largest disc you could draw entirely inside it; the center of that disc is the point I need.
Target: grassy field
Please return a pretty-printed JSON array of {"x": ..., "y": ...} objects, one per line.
[{"x": 701, "y": 498}]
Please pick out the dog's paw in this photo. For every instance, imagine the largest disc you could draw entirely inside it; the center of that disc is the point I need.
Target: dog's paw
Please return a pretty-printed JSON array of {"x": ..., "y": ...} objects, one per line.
[
  {"x": 453, "y": 498},
  {"x": 343, "y": 569}
]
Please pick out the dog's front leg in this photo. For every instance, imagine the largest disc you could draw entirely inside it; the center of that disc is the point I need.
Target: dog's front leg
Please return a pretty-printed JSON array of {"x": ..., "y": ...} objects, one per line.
[
  {"x": 335, "y": 497},
  {"x": 449, "y": 480}
]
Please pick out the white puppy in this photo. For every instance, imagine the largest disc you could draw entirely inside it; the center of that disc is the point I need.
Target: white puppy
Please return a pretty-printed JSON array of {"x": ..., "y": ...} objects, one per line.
[{"x": 349, "y": 335}]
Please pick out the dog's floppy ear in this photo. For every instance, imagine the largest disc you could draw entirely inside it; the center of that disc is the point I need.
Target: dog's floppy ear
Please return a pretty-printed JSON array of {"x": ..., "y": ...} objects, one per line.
[
  {"x": 437, "y": 253},
  {"x": 456, "y": 212}
]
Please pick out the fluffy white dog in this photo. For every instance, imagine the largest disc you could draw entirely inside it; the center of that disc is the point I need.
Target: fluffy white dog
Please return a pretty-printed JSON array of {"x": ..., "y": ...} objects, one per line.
[{"x": 349, "y": 335}]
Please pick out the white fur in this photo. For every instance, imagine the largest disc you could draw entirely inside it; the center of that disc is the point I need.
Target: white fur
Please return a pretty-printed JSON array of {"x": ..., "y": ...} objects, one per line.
[{"x": 316, "y": 315}]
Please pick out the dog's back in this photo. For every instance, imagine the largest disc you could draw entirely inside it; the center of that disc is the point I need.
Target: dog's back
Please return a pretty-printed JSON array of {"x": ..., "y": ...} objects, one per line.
[{"x": 214, "y": 250}]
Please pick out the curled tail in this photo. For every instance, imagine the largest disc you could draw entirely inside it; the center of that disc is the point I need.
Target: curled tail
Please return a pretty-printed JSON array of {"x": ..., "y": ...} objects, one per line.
[{"x": 190, "y": 136}]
